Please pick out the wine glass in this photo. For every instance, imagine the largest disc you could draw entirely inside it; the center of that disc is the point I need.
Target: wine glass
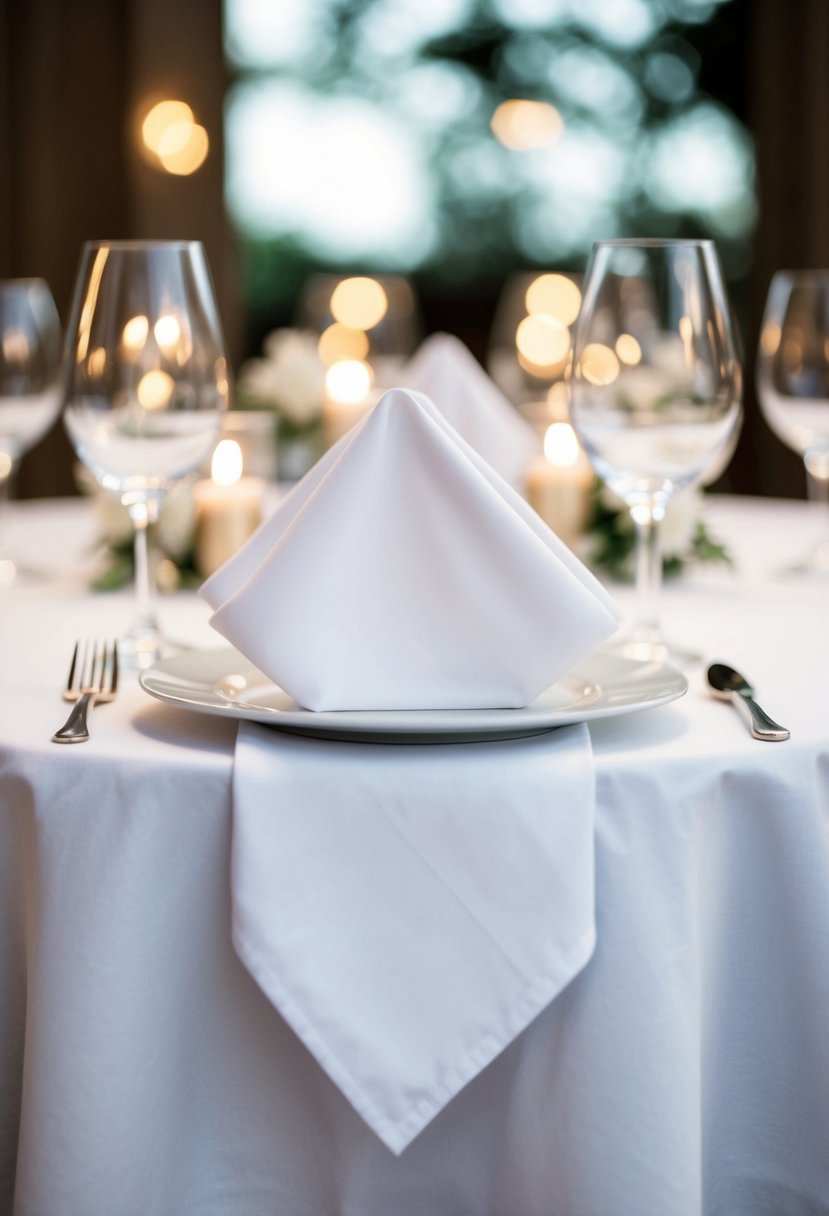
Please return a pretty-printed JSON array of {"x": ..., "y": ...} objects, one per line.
[
  {"x": 146, "y": 388},
  {"x": 30, "y": 361},
  {"x": 656, "y": 390},
  {"x": 793, "y": 382}
]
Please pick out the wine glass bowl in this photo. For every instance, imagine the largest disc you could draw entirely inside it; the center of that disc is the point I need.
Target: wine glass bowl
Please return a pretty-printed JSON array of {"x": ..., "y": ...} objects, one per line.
[
  {"x": 30, "y": 362},
  {"x": 655, "y": 386},
  {"x": 793, "y": 381},
  {"x": 146, "y": 386}
]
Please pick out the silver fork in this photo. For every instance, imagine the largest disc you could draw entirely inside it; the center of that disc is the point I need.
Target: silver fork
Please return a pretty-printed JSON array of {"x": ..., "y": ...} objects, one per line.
[{"x": 93, "y": 677}]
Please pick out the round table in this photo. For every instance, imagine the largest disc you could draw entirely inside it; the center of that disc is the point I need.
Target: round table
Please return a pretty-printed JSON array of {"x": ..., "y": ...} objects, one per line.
[{"x": 685, "y": 1071}]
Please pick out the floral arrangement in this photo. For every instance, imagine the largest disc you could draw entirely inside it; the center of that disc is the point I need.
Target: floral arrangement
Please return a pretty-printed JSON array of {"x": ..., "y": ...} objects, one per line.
[
  {"x": 685, "y": 539},
  {"x": 289, "y": 379},
  {"x": 172, "y": 540}
]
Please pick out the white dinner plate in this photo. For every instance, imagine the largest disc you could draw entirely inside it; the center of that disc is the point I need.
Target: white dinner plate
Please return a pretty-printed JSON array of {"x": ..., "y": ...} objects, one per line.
[{"x": 223, "y": 682}]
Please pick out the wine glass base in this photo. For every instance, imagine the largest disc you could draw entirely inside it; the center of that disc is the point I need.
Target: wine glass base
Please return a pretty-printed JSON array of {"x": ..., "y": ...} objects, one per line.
[
  {"x": 814, "y": 564},
  {"x": 14, "y": 571},
  {"x": 650, "y": 646},
  {"x": 139, "y": 650}
]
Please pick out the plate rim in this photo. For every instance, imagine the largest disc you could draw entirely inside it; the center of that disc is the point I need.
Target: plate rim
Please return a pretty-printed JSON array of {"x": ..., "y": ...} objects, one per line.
[{"x": 475, "y": 724}]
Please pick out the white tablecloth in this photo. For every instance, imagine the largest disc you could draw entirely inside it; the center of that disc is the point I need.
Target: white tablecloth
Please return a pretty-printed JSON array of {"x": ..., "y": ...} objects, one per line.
[{"x": 684, "y": 1072}]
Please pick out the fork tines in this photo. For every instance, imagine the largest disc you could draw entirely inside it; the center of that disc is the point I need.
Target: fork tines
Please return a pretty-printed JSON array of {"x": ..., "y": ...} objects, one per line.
[{"x": 94, "y": 665}]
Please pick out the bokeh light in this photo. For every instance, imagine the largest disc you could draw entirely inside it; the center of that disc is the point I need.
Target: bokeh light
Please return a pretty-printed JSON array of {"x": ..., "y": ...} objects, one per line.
[
  {"x": 155, "y": 390},
  {"x": 340, "y": 341},
  {"x": 359, "y": 303},
  {"x": 463, "y": 148},
  {"x": 526, "y": 125},
  {"x": 554, "y": 295},
  {"x": 172, "y": 139}
]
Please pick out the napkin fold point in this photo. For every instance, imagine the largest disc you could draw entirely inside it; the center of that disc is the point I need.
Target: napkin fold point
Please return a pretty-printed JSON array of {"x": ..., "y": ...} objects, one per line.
[{"x": 406, "y": 574}]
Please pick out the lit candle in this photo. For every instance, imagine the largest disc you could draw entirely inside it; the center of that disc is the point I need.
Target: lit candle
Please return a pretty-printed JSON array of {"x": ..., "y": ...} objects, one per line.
[
  {"x": 228, "y": 508},
  {"x": 348, "y": 397},
  {"x": 559, "y": 483}
]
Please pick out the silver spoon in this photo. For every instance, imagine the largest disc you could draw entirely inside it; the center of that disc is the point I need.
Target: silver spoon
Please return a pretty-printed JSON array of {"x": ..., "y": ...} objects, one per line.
[{"x": 729, "y": 685}]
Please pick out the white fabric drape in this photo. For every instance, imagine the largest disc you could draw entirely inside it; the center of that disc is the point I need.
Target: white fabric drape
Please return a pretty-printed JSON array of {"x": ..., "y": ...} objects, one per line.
[{"x": 410, "y": 909}]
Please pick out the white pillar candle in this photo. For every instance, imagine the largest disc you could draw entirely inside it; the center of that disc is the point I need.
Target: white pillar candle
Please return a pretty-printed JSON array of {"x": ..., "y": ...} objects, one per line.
[
  {"x": 228, "y": 508},
  {"x": 559, "y": 483}
]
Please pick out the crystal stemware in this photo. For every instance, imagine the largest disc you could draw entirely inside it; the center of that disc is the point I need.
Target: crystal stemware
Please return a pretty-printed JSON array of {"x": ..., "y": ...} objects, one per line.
[
  {"x": 793, "y": 384},
  {"x": 30, "y": 360},
  {"x": 146, "y": 388},
  {"x": 656, "y": 388}
]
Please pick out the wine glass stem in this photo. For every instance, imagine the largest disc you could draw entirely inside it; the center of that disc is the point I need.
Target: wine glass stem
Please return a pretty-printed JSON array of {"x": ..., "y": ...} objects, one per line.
[
  {"x": 8, "y": 473},
  {"x": 647, "y": 517},
  {"x": 141, "y": 514},
  {"x": 817, "y": 485}
]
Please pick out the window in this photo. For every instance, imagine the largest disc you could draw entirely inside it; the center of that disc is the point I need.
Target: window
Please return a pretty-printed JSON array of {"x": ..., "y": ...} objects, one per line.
[{"x": 456, "y": 141}]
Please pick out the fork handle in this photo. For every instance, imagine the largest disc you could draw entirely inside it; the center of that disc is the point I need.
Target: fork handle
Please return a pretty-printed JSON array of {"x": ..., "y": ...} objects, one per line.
[{"x": 74, "y": 729}]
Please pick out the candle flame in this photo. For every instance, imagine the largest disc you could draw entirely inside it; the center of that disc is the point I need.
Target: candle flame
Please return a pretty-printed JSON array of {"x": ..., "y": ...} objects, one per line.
[
  {"x": 561, "y": 445},
  {"x": 226, "y": 466},
  {"x": 348, "y": 381},
  {"x": 167, "y": 330},
  {"x": 135, "y": 334}
]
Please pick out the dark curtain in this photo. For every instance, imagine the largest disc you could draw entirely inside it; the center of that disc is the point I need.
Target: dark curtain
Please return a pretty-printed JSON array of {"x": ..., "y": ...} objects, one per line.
[
  {"x": 788, "y": 113},
  {"x": 62, "y": 75},
  {"x": 76, "y": 77}
]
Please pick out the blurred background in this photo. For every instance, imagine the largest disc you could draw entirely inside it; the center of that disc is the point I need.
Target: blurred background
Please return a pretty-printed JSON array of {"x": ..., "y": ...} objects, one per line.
[{"x": 466, "y": 145}]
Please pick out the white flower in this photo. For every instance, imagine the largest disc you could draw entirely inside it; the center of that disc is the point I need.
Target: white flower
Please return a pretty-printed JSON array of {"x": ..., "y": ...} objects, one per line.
[
  {"x": 174, "y": 530},
  {"x": 677, "y": 530},
  {"x": 113, "y": 517},
  {"x": 289, "y": 379},
  {"x": 681, "y": 518},
  {"x": 668, "y": 355},
  {"x": 642, "y": 388}
]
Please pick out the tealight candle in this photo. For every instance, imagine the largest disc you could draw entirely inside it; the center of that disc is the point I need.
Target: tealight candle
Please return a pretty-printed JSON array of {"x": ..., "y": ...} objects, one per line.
[
  {"x": 559, "y": 483},
  {"x": 228, "y": 508}
]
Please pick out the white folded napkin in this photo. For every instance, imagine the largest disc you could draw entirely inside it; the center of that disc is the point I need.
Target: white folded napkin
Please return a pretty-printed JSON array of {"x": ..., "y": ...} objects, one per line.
[
  {"x": 403, "y": 573},
  {"x": 448, "y": 373},
  {"x": 410, "y": 909}
]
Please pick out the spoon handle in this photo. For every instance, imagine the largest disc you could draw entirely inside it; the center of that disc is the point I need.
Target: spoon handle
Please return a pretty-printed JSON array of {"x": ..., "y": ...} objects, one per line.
[{"x": 762, "y": 726}]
